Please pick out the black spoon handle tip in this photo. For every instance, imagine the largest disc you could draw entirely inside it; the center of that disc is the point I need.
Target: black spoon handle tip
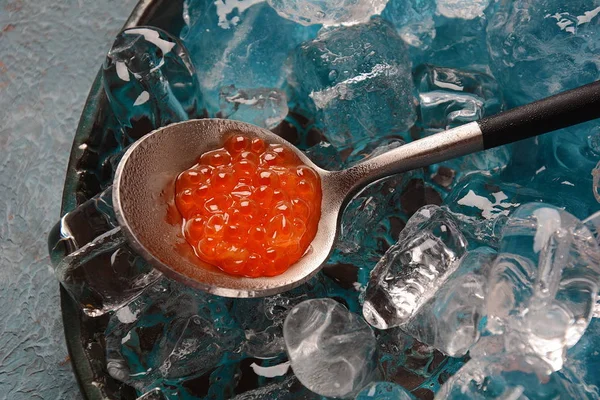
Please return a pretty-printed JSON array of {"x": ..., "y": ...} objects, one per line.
[{"x": 559, "y": 111}]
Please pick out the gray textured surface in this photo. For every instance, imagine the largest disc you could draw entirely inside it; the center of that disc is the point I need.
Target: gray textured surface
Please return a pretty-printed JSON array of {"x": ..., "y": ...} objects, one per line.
[{"x": 50, "y": 52}]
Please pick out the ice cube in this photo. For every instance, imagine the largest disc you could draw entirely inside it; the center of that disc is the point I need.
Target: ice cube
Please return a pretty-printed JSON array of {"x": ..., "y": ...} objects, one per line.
[
  {"x": 262, "y": 319},
  {"x": 239, "y": 43},
  {"x": 457, "y": 44},
  {"x": 332, "y": 351},
  {"x": 544, "y": 282},
  {"x": 450, "y": 97},
  {"x": 412, "y": 271},
  {"x": 93, "y": 260},
  {"x": 481, "y": 203},
  {"x": 570, "y": 165},
  {"x": 373, "y": 219},
  {"x": 357, "y": 82},
  {"x": 105, "y": 274},
  {"x": 82, "y": 225},
  {"x": 197, "y": 348},
  {"x": 413, "y": 21},
  {"x": 593, "y": 139},
  {"x": 509, "y": 376},
  {"x": 449, "y": 321},
  {"x": 325, "y": 155},
  {"x": 371, "y": 147},
  {"x": 149, "y": 79},
  {"x": 464, "y": 9},
  {"x": 541, "y": 47},
  {"x": 170, "y": 332},
  {"x": 331, "y": 12},
  {"x": 262, "y": 107},
  {"x": 384, "y": 391}
]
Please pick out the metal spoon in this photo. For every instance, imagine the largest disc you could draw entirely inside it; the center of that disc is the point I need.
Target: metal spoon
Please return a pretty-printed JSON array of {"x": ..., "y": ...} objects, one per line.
[{"x": 153, "y": 163}]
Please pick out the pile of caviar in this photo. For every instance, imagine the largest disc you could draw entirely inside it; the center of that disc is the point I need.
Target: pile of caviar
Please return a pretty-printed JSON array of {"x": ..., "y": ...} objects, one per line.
[{"x": 249, "y": 208}]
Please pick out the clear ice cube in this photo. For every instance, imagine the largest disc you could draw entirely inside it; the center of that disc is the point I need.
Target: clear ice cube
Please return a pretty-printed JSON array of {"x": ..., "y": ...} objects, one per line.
[
  {"x": 371, "y": 147},
  {"x": 356, "y": 81},
  {"x": 384, "y": 391},
  {"x": 82, "y": 225},
  {"x": 413, "y": 21},
  {"x": 450, "y": 320},
  {"x": 544, "y": 282},
  {"x": 328, "y": 13},
  {"x": 412, "y": 271},
  {"x": 197, "y": 348},
  {"x": 481, "y": 203},
  {"x": 464, "y": 9},
  {"x": 93, "y": 261},
  {"x": 239, "y": 43},
  {"x": 170, "y": 332},
  {"x": 511, "y": 376},
  {"x": 149, "y": 80},
  {"x": 332, "y": 351},
  {"x": 105, "y": 274},
  {"x": 450, "y": 97},
  {"x": 262, "y": 107},
  {"x": 325, "y": 155},
  {"x": 374, "y": 218},
  {"x": 262, "y": 319},
  {"x": 457, "y": 44},
  {"x": 541, "y": 47}
]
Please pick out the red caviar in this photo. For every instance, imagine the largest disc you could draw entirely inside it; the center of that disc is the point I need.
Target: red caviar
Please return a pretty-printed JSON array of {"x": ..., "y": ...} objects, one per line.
[{"x": 250, "y": 208}]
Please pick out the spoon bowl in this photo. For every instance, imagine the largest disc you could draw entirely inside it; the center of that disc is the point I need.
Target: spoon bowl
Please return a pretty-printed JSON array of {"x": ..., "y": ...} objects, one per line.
[{"x": 143, "y": 199}]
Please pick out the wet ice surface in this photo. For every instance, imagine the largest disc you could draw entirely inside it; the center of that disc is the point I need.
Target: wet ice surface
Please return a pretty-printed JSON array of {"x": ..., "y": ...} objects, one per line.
[
  {"x": 356, "y": 81},
  {"x": 228, "y": 46},
  {"x": 511, "y": 376},
  {"x": 450, "y": 97},
  {"x": 413, "y": 21},
  {"x": 413, "y": 270},
  {"x": 444, "y": 257},
  {"x": 149, "y": 78},
  {"x": 332, "y": 12},
  {"x": 544, "y": 283},
  {"x": 542, "y": 47},
  {"x": 450, "y": 320},
  {"x": 465, "y": 9},
  {"x": 332, "y": 351},
  {"x": 262, "y": 107}
]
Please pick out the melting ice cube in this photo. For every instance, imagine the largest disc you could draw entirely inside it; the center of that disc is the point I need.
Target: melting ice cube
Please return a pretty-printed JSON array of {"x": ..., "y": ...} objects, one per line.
[
  {"x": 544, "y": 282},
  {"x": 330, "y": 12},
  {"x": 412, "y": 271},
  {"x": 332, "y": 351}
]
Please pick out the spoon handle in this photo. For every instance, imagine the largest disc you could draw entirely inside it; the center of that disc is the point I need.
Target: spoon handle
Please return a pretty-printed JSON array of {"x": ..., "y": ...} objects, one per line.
[
  {"x": 555, "y": 112},
  {"x": 559, "y": 111}
]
